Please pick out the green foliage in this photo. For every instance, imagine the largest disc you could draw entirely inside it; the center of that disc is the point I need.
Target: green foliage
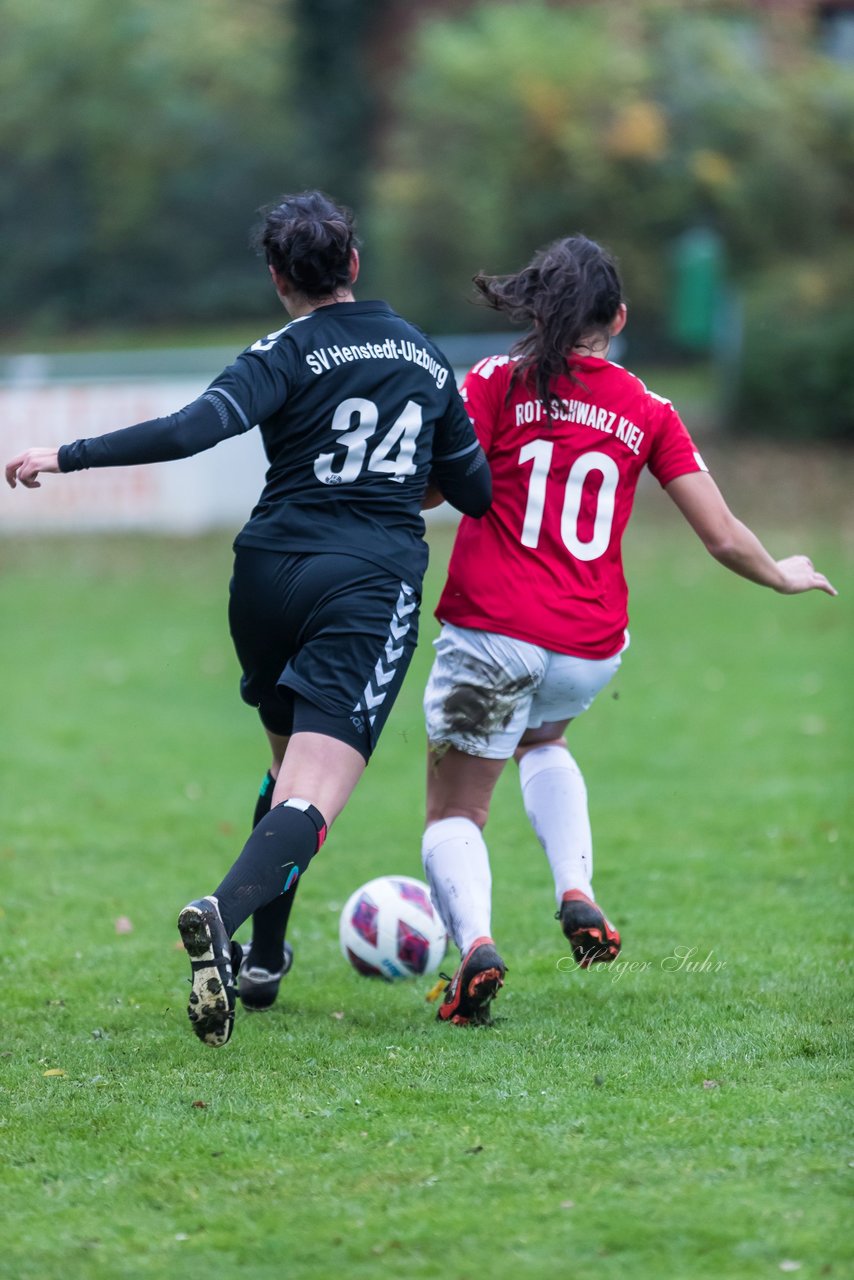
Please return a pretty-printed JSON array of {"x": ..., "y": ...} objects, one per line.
[
  {"x": 137, "y": 141},
  {"x": 654, "y": 1123},
  {"x": 520, "y": 123},
  {"x": 475, "y": 175},
  {"x": 336, "y": 92},
  {"x": 796, "y": 378}
]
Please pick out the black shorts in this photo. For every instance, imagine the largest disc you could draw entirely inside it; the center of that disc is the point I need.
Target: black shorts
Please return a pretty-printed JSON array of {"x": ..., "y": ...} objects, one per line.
[{"x": 324, "y": 642}]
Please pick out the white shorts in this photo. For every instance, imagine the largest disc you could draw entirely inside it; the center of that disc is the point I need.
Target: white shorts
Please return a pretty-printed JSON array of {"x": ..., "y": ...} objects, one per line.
[{"x": 486, "y": 689}]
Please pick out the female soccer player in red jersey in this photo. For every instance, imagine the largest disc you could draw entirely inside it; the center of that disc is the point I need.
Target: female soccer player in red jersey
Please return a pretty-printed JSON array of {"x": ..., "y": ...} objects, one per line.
[
  {"x": 534, "y": 608},
  {"x": 357, "y": 410}
]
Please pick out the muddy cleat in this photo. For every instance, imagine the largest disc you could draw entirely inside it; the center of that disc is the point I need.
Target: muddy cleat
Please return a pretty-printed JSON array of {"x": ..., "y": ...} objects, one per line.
[
  {"x": 593, "y": 939},
  {"x": 259, "y": 987},
  {"x": 214, "y": 960},
  {"x": 474, "y": 985}
]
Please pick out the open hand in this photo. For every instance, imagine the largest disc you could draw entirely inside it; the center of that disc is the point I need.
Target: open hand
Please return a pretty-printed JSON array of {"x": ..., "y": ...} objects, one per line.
[{"x": 27, "y": 466}]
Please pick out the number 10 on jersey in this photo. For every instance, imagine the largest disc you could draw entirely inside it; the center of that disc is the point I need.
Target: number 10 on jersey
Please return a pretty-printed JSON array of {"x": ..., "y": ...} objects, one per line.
[{"x": 540, "y": 453}]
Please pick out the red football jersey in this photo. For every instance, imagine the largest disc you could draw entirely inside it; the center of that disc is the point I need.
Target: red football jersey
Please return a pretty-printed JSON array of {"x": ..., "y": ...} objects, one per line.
[{"x": 545, "y": 562}]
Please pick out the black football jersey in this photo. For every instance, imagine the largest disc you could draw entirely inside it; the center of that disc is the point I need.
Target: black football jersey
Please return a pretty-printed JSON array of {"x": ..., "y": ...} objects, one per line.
[{"x": 354, "y": 405}]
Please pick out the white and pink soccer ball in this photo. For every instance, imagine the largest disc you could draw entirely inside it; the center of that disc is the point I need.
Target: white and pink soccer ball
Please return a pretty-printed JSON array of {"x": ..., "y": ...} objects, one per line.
[{"x": 390, "y": 929}]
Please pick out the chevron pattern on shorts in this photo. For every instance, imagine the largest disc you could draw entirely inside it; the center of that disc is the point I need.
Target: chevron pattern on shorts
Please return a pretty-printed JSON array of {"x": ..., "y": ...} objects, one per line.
[{"x": 375, "y": 690}]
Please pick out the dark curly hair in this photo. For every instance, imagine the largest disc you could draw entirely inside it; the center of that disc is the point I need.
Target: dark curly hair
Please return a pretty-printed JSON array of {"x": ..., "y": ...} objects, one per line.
[
  {"x": 308, "y": 239},
  {"x": 570, "y": 290}
]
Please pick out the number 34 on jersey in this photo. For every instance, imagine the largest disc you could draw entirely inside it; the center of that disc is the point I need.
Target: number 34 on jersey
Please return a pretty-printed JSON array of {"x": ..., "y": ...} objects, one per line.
[{"x": 354, "y": 423}]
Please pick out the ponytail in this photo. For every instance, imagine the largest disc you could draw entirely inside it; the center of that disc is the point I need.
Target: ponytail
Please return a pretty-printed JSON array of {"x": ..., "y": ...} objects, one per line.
[{"x": 569, "y": 291}]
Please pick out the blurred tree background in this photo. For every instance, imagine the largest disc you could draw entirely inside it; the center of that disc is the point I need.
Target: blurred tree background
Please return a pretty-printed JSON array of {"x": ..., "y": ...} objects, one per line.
[
  {"x": 136, "y": 139},
  {"x": 710, "y": 146}
]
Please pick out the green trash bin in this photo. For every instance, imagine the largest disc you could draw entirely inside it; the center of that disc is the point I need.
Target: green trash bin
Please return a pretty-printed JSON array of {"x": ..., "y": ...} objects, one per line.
[{"x": 697, "y": 296}]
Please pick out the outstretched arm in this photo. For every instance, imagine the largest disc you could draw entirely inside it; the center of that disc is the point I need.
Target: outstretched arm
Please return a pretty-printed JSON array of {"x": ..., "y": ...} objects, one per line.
[
  {"x": 197, "y": 427},
  {"x": 734, "y": 545}
]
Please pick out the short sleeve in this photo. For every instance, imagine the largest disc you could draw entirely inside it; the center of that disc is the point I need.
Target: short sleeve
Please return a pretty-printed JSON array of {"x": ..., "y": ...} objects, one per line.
[
  {"x": 673, "y": 452},
  {"x": 484, "y": 390},
  {"x": 454, "y": 436}
]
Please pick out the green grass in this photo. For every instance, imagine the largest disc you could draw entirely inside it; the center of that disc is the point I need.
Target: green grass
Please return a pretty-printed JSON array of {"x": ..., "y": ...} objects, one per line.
[{"x": 637, "y": 1121}]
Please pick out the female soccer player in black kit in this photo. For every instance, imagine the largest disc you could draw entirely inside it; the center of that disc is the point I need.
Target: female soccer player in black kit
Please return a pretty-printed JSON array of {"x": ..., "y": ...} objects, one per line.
[{"x": 358, "y": 412}]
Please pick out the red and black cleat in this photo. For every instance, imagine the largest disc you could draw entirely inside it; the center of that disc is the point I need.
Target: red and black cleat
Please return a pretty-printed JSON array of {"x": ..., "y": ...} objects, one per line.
[
  {"x": 593, "y": 938},
  {"x": 474, "y": 986}
]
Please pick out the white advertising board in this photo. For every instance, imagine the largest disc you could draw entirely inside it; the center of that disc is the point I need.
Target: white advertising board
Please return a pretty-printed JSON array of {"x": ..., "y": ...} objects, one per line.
[{"x": 214, "y": 489}]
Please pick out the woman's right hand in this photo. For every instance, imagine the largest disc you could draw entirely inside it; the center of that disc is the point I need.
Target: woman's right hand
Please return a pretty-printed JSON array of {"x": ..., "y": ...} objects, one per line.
[
  {"x": 26, "y": 467},
  {"x": 799, "y": 575}
]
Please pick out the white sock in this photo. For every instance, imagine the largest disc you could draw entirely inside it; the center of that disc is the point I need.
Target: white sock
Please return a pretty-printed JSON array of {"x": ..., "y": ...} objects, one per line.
[
  {"x": 555, "y": 799},
  {"x": 456, "y": 863}
]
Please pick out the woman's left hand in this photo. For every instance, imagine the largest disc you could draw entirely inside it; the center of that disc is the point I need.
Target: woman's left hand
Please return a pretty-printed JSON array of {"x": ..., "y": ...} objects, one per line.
[{"x": 27, "y": 466}]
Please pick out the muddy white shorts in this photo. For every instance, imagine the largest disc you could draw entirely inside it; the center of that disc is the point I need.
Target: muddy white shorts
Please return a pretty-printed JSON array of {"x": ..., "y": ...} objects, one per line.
[{"x": 486, "y": 689}]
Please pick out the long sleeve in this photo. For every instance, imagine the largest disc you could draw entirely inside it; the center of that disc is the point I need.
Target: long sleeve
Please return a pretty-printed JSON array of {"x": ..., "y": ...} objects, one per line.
[
  {"x": 196, "y": 427},
  {"x": 465, "y": 482}
]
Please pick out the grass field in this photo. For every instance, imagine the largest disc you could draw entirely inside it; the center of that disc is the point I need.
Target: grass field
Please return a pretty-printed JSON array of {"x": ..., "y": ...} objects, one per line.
[{"x": 683, "y": 1115}]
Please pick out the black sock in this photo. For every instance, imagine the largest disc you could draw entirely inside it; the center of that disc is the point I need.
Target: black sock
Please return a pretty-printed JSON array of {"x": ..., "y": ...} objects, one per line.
[
  {"x": 270, "y": 923},
  {"x": 265, "y": 799},
  {"x": 273, "y": 858}
]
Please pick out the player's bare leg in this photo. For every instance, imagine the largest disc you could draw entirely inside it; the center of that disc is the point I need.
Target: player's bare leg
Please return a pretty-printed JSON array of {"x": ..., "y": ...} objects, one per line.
[
  {"x": 316, "y": 777},
  {"x": 460, "y": 785},
  {"x": 319, "y": 769}
]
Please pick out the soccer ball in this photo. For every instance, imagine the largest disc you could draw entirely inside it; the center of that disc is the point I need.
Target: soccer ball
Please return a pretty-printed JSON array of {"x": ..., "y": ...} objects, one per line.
[{"x": 390, "y": 929}]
